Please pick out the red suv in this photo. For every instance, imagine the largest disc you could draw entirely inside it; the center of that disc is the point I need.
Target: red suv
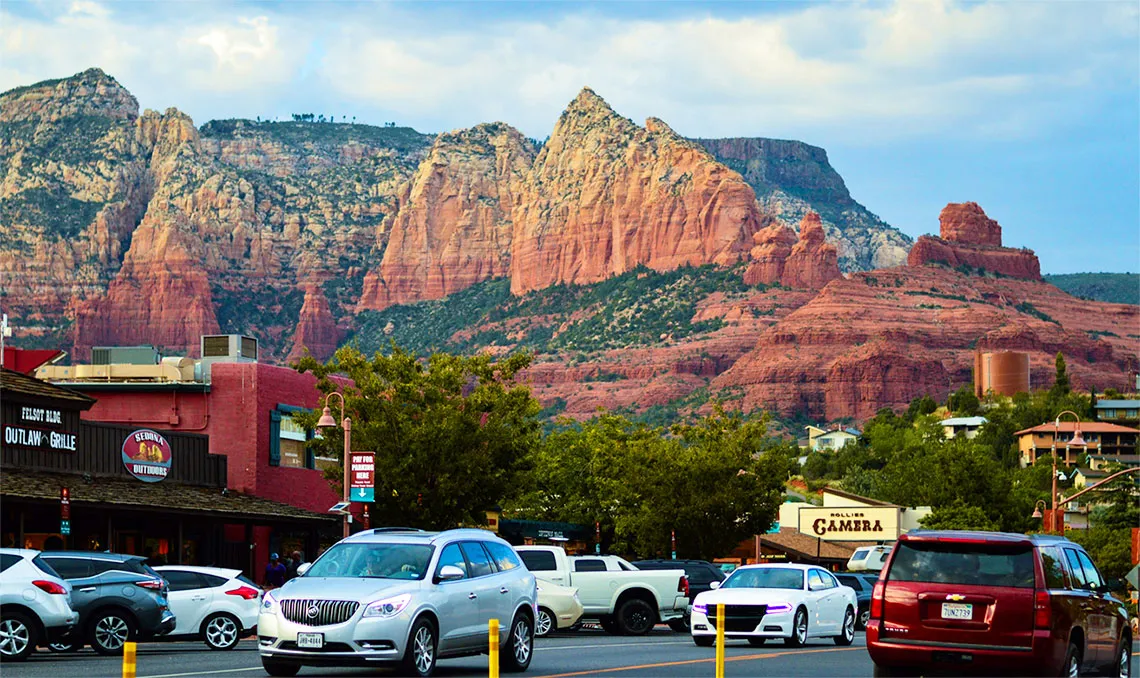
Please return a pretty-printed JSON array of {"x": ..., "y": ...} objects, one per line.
[{"x": 993, "y": 603}]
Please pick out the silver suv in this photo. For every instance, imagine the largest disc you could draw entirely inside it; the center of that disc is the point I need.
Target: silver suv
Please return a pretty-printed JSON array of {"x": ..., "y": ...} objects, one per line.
[
  {"x": 35, "y": 604},
  {"x": 400, "y": 596}
]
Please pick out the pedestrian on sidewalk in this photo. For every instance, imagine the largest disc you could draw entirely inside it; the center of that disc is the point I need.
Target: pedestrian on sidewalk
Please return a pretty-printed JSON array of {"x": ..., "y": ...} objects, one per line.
[{"x": 274, "y": 572}]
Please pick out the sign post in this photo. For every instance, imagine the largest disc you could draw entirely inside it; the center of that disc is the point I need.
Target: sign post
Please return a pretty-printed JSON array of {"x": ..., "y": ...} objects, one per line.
[
  {"x": 363, "y": 478},
  {"x": 673, "y": 540},
  {"x": 64, "y": 511},
  {"x": 597, "y": 537}
]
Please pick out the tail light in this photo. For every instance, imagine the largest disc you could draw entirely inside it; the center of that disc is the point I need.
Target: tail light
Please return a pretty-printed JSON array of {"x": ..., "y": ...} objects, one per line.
[
  {"x": 877, "y": 600},
  {"x": 152, "y": 584},
  {"x": 1042, "y": 611},
  {"x": 49, "y": 587},
  {"x": 246, "y": 592},
  {"x": 683, "y": 585}
]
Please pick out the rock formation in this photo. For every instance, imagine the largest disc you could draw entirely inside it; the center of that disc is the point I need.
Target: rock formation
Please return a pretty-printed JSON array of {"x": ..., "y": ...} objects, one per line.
[
  {"x": 773, "y": 245},
  {"x": 316, "y": 329},
  {"x": 970, "y": 238},
  {"x": 606, "y": 196},
  {"x": 455, "y": 227},
  {"x": 804, "y": 263}
]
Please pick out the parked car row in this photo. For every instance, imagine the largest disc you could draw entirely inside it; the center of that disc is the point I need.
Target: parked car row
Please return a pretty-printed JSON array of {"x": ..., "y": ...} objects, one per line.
[{"x": 66, "y": 600}]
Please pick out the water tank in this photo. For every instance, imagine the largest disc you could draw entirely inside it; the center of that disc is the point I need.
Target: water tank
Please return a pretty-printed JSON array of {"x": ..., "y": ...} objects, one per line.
[{"x": 1002, "y": 372}]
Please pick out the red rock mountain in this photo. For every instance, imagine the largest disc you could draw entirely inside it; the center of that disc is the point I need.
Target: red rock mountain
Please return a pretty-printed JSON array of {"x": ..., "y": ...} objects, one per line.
[
  {"x": 804, "y": 263},
  {"x": 970, "y": 238},
  {"x": 317, "y": 332}
]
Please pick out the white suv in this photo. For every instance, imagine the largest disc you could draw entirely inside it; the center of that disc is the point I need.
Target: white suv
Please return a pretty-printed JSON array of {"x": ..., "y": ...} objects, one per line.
[
  {"x": 400, "y": 596},
  {"x": 35, "y": 604}
]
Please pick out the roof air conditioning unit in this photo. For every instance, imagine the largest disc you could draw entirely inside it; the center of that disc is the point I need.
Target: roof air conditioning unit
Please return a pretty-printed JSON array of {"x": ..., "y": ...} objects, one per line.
[
  {"x": 125, "y": 355},
  {"x": 225, "y": 348}
]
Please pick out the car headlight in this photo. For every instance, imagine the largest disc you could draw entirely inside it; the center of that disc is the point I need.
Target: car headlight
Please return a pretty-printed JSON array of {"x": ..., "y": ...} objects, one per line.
[
  {"x": 701, "y": 608},
  {"x": 778, "y": 608},
  {"x": 389, "y": 607},
  {"x": 268, "y": 604}
]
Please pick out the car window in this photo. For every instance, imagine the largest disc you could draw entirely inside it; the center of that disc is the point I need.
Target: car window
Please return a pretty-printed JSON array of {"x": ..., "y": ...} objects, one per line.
[
  {"x": 1075, "y": 569},
  {"x": 246, "y": 580},
  {"x": 8, "y": 560},
  {"x": 815, "y": 580},
  {"x": 701, "y": 575},
  {"x": 852, "y": 581},
  {"x": 590, "y": 565},
  {"x": 503, "y": 555},
  {"x": 1054, "y": 569},
  {"x": 214, "y": 581},
  {"x": 451, "y": 555},
  {"x": 99, "y": 566},
  {"x": 45, "y": 567},
  {"x": 860, "y": 554},
  {"x": 1092, "y": 575},
  {"x": 625, "y": 568},
  {"x": 181, "y": 580},
  {"x": 766, "y": 578},
  {"x": 71, "y": 568},
  {"x": 828, "y": 579},
  {"x": 985, "y": 564},
  {"x": 539, "y": 561},
  {"x": 478, "y": 558},
  {"x": 373, "y": 560}
]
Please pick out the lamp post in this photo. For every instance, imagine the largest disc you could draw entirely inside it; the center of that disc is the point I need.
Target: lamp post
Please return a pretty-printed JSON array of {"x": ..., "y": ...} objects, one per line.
[
  {"x": 1052, "y": 525},
  {"x": 327, "y": 421}
]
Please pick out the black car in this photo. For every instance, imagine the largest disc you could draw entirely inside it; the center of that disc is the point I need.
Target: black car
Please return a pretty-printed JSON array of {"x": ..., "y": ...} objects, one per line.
[
  {"x": 119, "y": 598},
  {"x": 863, "y": 584},
  {"x": 701, "y": 575}
]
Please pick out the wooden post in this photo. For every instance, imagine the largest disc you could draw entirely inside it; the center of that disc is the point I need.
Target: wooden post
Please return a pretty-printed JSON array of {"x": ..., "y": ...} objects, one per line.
[
  {"x": 128, "y": 660},
  {"x": 720, "y": 621},
  {"x": 493, "y": 649}
]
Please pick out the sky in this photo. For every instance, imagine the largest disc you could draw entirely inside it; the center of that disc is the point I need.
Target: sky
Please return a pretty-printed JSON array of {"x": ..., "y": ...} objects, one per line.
[{"x": 1031, "y": 109}]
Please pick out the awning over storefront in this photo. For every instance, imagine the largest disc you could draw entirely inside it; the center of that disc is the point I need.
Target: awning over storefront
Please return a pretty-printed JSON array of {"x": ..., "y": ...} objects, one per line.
[
  {"x": 541, "y": 529},
  {"x": 128, "y": 493}
]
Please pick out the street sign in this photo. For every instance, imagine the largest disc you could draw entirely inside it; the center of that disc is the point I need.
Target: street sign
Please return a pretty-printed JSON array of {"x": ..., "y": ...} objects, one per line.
[
  {"x": 64, "y": 511},
  {"x": 65, "y": 527},
  {"x": 362, "y": 484},
  {"x": 775, "y": 528}
]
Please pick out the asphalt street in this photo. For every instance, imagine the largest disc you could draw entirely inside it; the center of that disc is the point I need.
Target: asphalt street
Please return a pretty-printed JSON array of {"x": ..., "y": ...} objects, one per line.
[{"x": 587, "y": 653}]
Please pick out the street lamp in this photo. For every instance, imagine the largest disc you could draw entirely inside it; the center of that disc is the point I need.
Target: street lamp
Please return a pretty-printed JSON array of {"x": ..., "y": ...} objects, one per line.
[
  {"x": 1037, "y": 509},
  {"x": 1051, "y": 525},
  {"x": 327, "y": 421}
]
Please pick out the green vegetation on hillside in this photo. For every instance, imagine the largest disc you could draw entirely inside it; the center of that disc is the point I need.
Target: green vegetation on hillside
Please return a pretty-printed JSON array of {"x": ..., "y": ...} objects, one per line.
[
  {"x": 638, "y": 308},
  {"x": 51, "y": 209},
  {"x": 1118, "y": 288},
  {"x": 319, "y": 135}
]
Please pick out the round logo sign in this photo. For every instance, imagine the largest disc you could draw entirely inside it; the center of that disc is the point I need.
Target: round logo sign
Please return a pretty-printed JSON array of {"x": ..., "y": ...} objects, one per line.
[{"x": 147, "y": 456}]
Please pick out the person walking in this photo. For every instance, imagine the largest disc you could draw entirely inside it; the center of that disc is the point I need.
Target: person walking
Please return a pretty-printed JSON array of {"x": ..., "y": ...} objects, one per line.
[
  {"x": 297, "y": 559},
  {"x": 274, "y": 572}
]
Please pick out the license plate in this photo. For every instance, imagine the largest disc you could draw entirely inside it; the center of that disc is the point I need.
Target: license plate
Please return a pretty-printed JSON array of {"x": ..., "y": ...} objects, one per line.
[
  {"x": 957, "y": 611},
  {"x": 310, "y": 640}
]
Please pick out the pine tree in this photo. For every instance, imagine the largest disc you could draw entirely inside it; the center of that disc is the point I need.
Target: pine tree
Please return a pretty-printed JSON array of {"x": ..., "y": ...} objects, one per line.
[{"x": 1061, "y": 385}]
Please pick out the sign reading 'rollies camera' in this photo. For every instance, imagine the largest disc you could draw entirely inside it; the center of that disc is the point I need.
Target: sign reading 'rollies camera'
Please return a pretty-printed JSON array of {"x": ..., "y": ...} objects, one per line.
[
  {"x": 147, "y": 456},
  {"x": 856, "y": 523}
]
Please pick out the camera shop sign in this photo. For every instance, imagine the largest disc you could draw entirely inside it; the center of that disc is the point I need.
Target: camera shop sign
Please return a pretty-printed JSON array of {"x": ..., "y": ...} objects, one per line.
[
  {"x": 30, "y": 432},
  {"x": 854, "y": 523},
  {"x": 147, "y": 456}
]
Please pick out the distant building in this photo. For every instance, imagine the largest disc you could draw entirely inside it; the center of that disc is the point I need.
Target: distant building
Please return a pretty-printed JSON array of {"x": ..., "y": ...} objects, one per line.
[
  {"x": 1001, "y": 373},
  {"x": 1123, "y": 412},
  {"x": 962, "y": 426},
  {"x": 1101, "y": 438},
  {"x": 834, "y": 440}
]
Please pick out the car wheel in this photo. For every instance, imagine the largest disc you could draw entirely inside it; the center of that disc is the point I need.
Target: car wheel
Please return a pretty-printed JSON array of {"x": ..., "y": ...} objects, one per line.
[
  {"x": 799, "y": 629},
  {"x": 544, "y": 623},
  {"x": 419, "y": 655},
  {"x": 1122, "y": 666},
  {"x": 276, "y": 667},
  {"x": 757, "y": 642},
  {"x": 18, "y": 637},
  {"x": 110, "y": 631},
  {"x": 848, "y": 634},
  {"x": 704, "y": 641},
  {"x": 221, "y": 632},
  {"x": 1072, "y": 666},
  {"x": 680, "y": 625},
  {"x": 864, "y": 617},
  {"x": 609, "y": 626},
  {"x": 635, "y": 617},
  {"x": 520, "y": 646}
]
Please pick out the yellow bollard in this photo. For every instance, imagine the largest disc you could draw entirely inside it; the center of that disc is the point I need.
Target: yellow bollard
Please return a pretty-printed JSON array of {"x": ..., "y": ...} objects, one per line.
[
  {"x": 128, "y": 660},
  {"x": 720, "y": 640},
  {"x": 493, "y": 650}
]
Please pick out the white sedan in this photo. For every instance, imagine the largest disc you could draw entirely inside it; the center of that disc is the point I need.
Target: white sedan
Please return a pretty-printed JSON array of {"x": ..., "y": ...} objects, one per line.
[
  {"x": 558, "y": 608},
  {"x": 793, "y": 602},
  {"x": 217, "y": 605}
]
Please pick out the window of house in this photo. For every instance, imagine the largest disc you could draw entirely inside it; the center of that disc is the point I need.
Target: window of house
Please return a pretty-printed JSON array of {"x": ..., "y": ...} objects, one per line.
[
  {"x": 1108, "y": 414},
  {"x": 292, "y": 441}
]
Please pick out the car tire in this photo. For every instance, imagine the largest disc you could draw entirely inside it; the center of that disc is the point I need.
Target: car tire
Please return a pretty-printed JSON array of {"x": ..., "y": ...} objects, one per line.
[
  {"x": 757, "y": 642},
  {"x": 864, "y": 617},
  {"x": 635, "y": 617},
  {"x": 516, "y": 656},
  {"x": 1121, "y": 666},
  {"x": 109, "y": 631},
  {"x": 799, "y": 629},
  {"x": 680, "y": 624},
  {"x": 847, "y": 636},
  {"x": 704, "y": 641},
  {"x": 277, "y": 667},
  {"x": 545, "y": 623},
  {"x": 19, "y": 636},
  {"x": 420, "y": 654},
  {"x": 1072, "y": 665},
  {"x": 609, "y": 625},
  {"x": 221, "y": 631}
]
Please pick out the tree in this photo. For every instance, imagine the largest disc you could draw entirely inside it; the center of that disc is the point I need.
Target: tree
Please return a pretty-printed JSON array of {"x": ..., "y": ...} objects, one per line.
[
  {"x": 958, "y": 516},
  {"x": 451, "y": 434},
  {"x": 921, "y": 406},
  {"x": 1061, "y": 386},
  {"x": 964, "y": 403}
]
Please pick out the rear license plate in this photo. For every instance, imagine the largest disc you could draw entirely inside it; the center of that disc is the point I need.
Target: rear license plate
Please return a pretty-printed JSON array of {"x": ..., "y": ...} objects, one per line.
[
  {"x": 311, "y": 641},
  {"x": 957, "y": 611}
]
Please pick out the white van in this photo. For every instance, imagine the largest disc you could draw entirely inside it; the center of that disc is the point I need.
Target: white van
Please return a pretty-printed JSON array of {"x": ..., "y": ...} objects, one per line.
[{"x": 869, "y": 558}]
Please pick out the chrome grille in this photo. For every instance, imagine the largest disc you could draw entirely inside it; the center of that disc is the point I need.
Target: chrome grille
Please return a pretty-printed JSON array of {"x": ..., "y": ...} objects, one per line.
[{"x": 318, "y": 612}]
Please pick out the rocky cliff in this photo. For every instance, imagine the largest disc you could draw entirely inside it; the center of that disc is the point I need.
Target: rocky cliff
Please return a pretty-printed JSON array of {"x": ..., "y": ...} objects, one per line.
[
  {"x": 969, "y": 238},
  {"x": 779, "y": 257},
  {"x": 792, "y": 178},
  {"x": 317, "y": 332}
]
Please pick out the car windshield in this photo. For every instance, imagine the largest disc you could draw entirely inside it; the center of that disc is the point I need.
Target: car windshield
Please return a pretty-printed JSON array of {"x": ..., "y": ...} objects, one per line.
[
  {"x": 384, "y": 561},
  {"x": 859, "y": 555},
  {"x": 765, "y": 578}
]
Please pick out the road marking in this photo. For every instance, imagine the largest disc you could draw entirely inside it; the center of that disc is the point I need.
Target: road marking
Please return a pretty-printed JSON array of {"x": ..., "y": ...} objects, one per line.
[
  {"x": 686, "y": 662},
  {"x": 202, "y": 673},
  {"x": 601, "y": 645}
]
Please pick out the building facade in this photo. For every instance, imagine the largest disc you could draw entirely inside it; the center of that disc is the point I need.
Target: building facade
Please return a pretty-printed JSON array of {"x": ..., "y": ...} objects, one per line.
[{"x": 1100, "y": 438}]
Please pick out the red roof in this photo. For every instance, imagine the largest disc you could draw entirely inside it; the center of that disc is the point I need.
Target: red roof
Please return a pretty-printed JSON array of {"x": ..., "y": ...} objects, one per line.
[
  {"x": 25, "y": 360},
  {"x": 1086, "y": 427}
]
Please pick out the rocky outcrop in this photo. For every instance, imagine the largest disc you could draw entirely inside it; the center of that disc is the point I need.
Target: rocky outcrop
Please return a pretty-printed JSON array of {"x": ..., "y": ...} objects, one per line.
[
  {"x": 455, "y": 227},
  {"x": 606, "y": 196},
  {"x": 317, "y": 333},
  {"x": 767, "y": 259},
  {"x": 812, "y": 262},
  {"x": 792, "y": 178},
  {"x": 971, "y": 239}
]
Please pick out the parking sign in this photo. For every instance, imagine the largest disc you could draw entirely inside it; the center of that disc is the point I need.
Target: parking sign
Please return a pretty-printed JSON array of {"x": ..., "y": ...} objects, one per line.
[{"x": 363, "y": 477}]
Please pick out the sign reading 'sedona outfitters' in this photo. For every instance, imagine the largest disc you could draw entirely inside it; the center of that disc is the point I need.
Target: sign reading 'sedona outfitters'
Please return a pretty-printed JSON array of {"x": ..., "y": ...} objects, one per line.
[
  {"x": 147, "y": 456},
  {"x": 856, "y": 523}
]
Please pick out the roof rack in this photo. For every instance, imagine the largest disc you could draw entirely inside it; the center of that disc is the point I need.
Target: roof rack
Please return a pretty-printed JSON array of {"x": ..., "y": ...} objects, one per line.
[{"x": 382, "y": 530}]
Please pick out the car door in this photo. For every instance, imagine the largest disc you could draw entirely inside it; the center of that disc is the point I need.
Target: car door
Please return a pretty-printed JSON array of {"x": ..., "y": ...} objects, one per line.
[
  {"x": 486, "y": 587},
  {"x": 1104, "y": 609},
  {"x": 458, "y": 613},
  {"x": 836, "y": 600},
  {"x": 189, "y": 599},
  {"x": 508, "y": 577},
  {"x": 595, "y": 587},
  {"x": 1090, "y": 617},
  {"x": 821, "y": 599},
  {"x": 84, "y": 585}
]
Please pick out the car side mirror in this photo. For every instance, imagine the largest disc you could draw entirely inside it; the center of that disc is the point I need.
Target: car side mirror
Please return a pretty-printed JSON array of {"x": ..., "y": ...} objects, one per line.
[
  {"x": 1113, "y": 586},
  {"x": 449, "y": 573},
  {"x": 303, "y": 568},
  {"x": 714, "y": 585}
]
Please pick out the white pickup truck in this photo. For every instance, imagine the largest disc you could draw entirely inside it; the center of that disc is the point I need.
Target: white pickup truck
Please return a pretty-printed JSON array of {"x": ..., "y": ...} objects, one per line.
[{"x": 626, "y": 600}]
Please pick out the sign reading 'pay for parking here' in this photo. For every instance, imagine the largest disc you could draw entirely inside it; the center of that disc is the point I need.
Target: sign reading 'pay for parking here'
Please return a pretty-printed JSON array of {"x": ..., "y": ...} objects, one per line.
[{"x": 362, "y": 475}]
